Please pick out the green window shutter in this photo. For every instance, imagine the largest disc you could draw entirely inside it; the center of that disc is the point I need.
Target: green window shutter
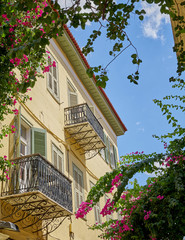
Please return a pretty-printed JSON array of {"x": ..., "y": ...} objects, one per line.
[
  {"x": 108, "y": 145},
  {"x": 106, "y": 148},
  {"x": 78, "y": 186},
  {"x": 96, "y": 209},
  {"x": 115, "y": 156},
  {"x": 39, "y": 141},
  {"x": 73, "y": 99}
]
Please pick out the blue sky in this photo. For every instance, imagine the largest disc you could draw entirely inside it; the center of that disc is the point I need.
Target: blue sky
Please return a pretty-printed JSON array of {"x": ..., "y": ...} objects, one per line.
[{"x": 134, "y": 103}]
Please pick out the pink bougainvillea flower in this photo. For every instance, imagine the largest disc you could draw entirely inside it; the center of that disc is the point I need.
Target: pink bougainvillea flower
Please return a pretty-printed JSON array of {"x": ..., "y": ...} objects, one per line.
[
  {"x": 11, "y": 60},
  {"x": 84, "y": 208},
  {"x": 54, "y": 64},
  {"x": 42, "y": 30},
  {"x": 11, "y": 30},
  {"x": 13, "y": 129},
  {"x": 147, "y": 216},
  {"x": 14, "y": 101},
  {"x": 46, "y": 69},
  {"x": 160, "y": 197},
  {"x": 16, "y": 111},
  {"x": 25, "y": 58},
  {"x": 7, "y": 177}
]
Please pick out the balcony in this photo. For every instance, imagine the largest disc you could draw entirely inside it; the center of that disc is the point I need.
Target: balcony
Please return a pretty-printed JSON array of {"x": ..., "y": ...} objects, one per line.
[
  {"x": 35, "y": 189},
  {"x": 84, "y": 128}
]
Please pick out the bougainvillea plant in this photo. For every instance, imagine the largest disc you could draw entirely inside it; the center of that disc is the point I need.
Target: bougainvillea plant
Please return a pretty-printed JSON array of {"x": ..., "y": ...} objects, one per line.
[
  {"x": 25, "y": 30},
  {"x": 154, "y": 211}
]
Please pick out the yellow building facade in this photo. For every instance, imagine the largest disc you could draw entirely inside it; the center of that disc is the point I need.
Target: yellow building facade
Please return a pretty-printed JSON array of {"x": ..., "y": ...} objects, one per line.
[{"x": 66, "y": 139}]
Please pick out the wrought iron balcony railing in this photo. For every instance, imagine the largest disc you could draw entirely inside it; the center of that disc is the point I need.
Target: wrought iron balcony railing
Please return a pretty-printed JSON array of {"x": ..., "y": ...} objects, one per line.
[
  {"x": 84, "y": 127},
  {"x": 34, "y": 173}
]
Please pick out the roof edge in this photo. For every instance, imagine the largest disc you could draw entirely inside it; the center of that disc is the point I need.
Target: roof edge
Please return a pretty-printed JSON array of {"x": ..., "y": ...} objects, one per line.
[{"x": 94, "y": 78}]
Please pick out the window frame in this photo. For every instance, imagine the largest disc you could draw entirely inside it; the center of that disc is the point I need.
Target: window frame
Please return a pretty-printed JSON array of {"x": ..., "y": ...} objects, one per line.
[{"x": 51, "y": 90}]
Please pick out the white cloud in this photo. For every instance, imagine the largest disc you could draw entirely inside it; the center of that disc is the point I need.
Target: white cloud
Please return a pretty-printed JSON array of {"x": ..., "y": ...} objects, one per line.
[
  {"x": 156, "y": 173},
  {"x": 153, "y": 21},
  {"x": 68, "y": 4},
  {"x": 141, "y": 129},
  {"x": 138, "y": 123}
]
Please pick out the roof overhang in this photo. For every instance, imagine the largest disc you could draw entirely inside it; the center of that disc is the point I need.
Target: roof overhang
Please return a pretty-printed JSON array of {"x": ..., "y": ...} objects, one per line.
[{"x": 70, "y": 47}]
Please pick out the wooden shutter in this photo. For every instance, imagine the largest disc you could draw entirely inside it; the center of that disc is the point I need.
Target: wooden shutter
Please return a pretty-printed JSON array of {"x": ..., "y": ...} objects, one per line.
[
  {"x": 73, "y": 99},
  {"x": 52, "y": 78},
  {"x": 80, "y": 176},
  {"x": 115, "y": 156},
  {"x": 72, "y": 95},
  {"x": 106, "y": 148},
  {"x": 96, "y": 209},
  {"x": 39, "y": 141},
  {"x": 78, "y": 186},
  {"x": 50, "y": 81},
  {"x": 60, "y": 162},
  {"x": 57, "y": 158},
  {"x": 75, "y": 174},
  {"x": 112, "y": 157},
  {"x": 103, "y": 150},
  {"x": 109, "y": 157}
]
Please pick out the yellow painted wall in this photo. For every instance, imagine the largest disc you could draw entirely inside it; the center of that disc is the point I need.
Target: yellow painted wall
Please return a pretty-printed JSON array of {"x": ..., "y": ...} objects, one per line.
[
  {"x": 45, "y": 112},
  {"x": 179, "y": 10}
]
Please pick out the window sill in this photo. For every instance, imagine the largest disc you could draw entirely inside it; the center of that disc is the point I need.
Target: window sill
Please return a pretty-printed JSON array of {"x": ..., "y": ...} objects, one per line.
[{"x": 56, "y": 99}]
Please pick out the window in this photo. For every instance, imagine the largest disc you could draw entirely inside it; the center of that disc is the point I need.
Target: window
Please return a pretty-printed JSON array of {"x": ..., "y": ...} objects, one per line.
[
  {"x": 52, "y": 78},
  {"x": 78, "y": 186},
  {"x": 57, "y": 158},
  {"x": 72, "y": 95},
  {"x": 96, "y": 209}
]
